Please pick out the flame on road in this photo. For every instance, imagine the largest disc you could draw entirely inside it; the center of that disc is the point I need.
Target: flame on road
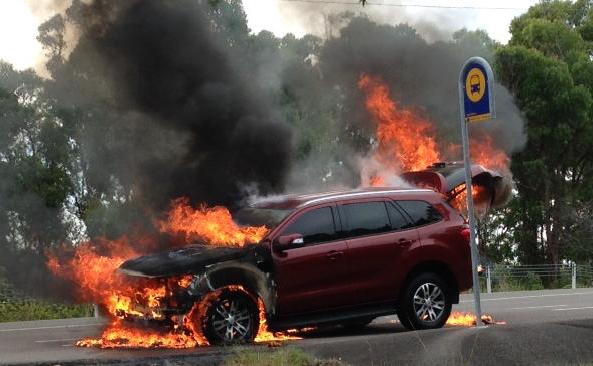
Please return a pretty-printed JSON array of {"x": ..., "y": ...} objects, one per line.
[{"x": 458, "y": 318}]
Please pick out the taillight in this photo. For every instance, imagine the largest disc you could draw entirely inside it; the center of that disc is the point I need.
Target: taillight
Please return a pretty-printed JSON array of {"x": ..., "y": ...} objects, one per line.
[{"x": 465, "y": 234}]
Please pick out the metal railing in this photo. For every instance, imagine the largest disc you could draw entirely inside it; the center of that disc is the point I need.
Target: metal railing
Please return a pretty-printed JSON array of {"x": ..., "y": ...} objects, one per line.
[{"x": 540, "y": 276}]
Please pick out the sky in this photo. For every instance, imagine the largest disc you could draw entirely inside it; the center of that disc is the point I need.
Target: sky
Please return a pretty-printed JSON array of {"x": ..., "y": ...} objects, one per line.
[{"x": 435, "y": 19}]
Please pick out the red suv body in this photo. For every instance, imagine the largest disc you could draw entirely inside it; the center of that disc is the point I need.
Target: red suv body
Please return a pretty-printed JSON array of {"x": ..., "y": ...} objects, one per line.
[
  {"x": 339, "y": 257},
  {"x": 375, "y": 240}
]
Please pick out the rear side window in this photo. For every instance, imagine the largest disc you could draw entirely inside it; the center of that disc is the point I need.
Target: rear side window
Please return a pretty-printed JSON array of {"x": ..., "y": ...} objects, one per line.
[
  {"x": 366, "y": 218},
  {"x": 421, "y": 212},
  {"x": 398, "y": 221},
  {"x": 316, "y": 226}
]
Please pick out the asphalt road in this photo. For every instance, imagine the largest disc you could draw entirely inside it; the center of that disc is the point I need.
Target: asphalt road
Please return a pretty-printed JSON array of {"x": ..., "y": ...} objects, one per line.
[{"x": 550, "y": 327}]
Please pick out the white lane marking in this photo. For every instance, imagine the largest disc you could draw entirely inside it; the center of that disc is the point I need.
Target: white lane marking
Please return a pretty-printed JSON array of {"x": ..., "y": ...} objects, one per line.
[
  {"x": 530, "y": 296},
  {"x": 56, "y": 340},
  {"x": 583, "y": 308},
  {"x": 538, "y": 307},
  {"x": 52, "y": 327}
]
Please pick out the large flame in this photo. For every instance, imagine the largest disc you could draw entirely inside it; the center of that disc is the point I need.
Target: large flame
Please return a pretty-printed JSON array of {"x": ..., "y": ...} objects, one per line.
[
  {"x": 211, "y": 224},
  {"x": 93, "y": 269},
  {"x": 407, "y": 140}
]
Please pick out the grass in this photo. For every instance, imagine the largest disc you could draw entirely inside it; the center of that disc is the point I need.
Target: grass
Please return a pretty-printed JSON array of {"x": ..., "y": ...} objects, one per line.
[
  {"x": 288, "y": 356},
  {"x": 21, "y": 310},
  {"x": 16, "y": 306}
]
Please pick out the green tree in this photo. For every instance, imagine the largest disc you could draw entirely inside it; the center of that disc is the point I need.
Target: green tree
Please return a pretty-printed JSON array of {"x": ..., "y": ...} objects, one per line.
[{"x": 547, "y": 66}]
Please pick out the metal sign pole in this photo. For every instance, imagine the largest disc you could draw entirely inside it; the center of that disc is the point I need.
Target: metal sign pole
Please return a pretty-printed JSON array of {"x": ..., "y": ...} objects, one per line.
[
  {"x": 472, "y": 220},
  {"x": 476, "y": 103}
]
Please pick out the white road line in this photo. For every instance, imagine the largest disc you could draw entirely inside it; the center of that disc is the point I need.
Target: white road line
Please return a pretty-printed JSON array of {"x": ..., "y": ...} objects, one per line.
[
  {"x": 57, "y": 340},
  {"x": 585, "y": 307},
  {"x": 53, "y": 327},
  {"x": 538, "y": 307},
  {"x": 529, "y": 297}
]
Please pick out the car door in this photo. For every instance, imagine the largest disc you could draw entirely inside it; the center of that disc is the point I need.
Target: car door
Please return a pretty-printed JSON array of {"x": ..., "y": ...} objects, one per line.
[
  {"x": 314, "y": 275},
  {"x": 379, "y": 238}
]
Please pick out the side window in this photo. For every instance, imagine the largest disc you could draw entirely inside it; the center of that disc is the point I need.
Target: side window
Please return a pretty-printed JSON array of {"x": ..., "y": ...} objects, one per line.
[
  {"x": 316, "y": 226},
  {"x": 366, "y": 218},
  {"x": 398, "y": 221},
  {"x": 421, "y": 212}
]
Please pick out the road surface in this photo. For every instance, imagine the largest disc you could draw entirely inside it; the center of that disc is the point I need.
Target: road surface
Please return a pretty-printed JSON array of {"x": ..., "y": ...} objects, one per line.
[{"x": 553, "y": 326}]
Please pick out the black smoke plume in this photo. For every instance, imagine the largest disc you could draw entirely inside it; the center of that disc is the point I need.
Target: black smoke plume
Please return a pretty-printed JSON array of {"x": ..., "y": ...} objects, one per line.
[
  {"x": 168, "y": 111},
  {"x": 421, "y": 75}
]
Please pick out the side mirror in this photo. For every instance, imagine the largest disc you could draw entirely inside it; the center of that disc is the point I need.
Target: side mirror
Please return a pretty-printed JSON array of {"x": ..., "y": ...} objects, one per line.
[{"x": 287, "y": 241}]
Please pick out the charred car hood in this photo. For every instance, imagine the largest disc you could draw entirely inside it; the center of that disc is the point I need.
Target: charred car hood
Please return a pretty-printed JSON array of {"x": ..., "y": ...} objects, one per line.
[{"x": 191, "y": 259}]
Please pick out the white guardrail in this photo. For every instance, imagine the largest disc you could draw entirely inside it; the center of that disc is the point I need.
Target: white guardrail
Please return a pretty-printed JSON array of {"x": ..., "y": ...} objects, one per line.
[{"x": 564, "y": 274}]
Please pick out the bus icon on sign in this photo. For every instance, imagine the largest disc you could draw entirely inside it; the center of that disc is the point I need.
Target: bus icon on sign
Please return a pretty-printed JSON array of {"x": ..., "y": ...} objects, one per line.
[{"x": 474, "y": 82}]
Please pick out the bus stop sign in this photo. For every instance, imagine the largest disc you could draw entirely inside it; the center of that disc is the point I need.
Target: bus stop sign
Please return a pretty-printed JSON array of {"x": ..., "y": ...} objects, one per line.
[
  {"x": 476, "y": 103},
  {"x": 476, "y": 83}
]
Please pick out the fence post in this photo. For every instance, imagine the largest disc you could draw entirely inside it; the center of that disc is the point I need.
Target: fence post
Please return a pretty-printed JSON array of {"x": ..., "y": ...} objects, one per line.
[
  {"x": 488, "y": 280},
  {"x": 574, "y": 275}
]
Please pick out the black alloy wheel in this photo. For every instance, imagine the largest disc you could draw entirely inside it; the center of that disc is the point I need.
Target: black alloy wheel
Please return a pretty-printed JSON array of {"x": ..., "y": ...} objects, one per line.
[{"x": 233, "y": 318}]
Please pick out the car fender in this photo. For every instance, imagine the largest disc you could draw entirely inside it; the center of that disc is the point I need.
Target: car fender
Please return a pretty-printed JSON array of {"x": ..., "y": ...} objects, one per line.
[{"x": 236, "y": 272}]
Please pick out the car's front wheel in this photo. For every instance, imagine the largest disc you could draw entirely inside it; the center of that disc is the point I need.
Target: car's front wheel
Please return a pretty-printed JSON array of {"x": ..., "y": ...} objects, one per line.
[
  {"x": 426, "y": 303},
  {"x": 232, "y": 318}
]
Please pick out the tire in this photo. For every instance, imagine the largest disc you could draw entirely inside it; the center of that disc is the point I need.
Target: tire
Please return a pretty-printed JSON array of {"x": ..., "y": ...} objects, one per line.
[
  {"x": 426, "y": 303},
  {"x": 233, "y": 318},
  {"x": 355, "y": 324}
]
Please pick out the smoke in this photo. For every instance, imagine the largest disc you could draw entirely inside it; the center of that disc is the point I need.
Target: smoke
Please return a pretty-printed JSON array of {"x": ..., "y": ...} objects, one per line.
[
  {"x": 326, "y": 19},
  {"x": 182, "y": 114},
  {"x": 169, "y": 111},
  {"x": 422, "y": 76}
]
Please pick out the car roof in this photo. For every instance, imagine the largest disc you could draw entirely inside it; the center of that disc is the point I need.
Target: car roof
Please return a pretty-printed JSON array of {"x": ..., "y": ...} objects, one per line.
[{"x": 292, "y": 201}]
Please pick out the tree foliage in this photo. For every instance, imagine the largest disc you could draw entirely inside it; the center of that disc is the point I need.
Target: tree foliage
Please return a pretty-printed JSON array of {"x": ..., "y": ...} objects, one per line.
[
  {"x": 52, "y": 191},
  {"x": 547, "y": 66}
]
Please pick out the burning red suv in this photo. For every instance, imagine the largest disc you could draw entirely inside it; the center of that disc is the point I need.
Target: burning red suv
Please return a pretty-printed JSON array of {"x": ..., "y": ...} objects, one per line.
[{"x": 331, "y": 258}]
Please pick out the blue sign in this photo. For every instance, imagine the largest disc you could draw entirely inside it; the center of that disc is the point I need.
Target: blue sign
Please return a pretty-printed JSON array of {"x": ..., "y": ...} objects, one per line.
[{"x": 475, "y": 90}]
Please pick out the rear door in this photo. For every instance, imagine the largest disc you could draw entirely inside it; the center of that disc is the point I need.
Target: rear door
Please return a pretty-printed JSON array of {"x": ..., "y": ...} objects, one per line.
[
  {"x": 314, "y": 276},
  {"x": 379, "y": 237}
]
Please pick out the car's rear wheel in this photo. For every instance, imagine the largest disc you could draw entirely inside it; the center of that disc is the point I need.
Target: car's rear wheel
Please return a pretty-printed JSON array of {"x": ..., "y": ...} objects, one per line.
[
  {"x": 232, "y": 318},
  {"x": 426, "y": 303}
]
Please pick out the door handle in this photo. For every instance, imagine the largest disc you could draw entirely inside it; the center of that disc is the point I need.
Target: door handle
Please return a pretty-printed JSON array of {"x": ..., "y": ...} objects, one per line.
[
  {"x": 334, "y": 254},
  {"x": 405, "y": 242}
]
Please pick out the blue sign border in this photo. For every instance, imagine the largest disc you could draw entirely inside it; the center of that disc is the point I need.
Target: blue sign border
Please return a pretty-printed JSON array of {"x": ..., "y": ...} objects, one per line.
[{"x": 484, "y": 108}]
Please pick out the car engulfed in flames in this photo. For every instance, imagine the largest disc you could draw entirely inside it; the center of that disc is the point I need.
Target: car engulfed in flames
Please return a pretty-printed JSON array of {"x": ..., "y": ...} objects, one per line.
[
  {"x": 162, "y": 299},
  {"x": 186, "y": 295}
]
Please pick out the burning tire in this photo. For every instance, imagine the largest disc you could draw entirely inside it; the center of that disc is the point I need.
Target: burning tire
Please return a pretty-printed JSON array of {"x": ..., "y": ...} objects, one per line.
[
  {"x": 232, "y": 318},
  {"x": 426, "y": 303}
]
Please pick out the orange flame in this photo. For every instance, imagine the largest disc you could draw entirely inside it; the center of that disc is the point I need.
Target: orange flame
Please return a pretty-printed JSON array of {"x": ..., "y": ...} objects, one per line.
[
  {"x": 263, "y": 334},
  {"x": 458, "y": 318},
  {"x": 93, "y": 268},
  {"x": 212, "y": 224},
  {"x": 407, "y": 141},
  {"x": 481, "y": 199},
  {"x": 484, "y": 152}
]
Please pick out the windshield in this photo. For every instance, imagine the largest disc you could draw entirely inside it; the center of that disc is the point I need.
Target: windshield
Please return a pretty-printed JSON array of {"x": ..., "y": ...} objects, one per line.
[{"x": 268, "y": 217}]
